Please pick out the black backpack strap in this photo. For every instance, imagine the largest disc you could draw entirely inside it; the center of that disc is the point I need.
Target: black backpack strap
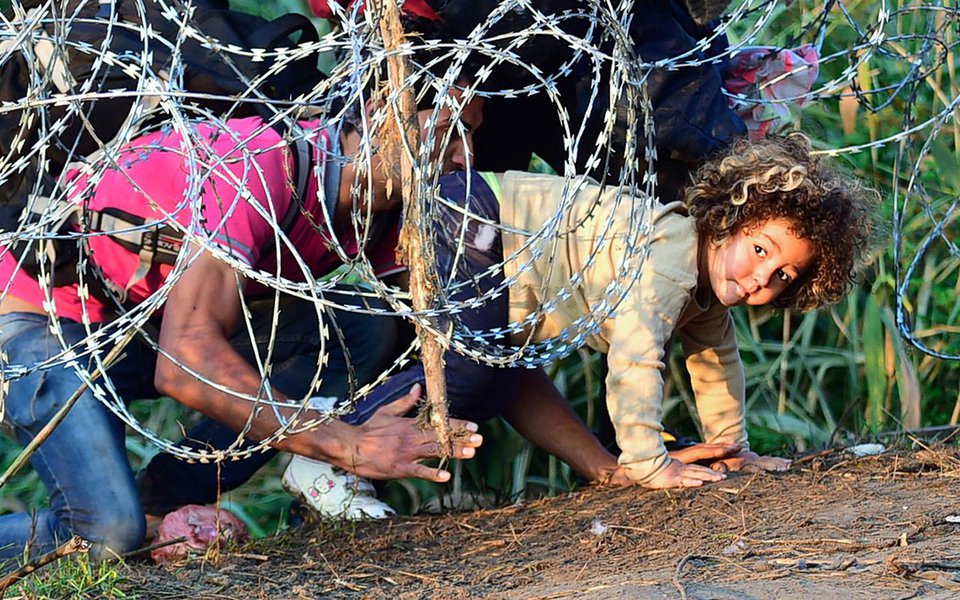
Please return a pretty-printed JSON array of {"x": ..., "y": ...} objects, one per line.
[
  {"x": 277, "y": 33},
  {"x": 281, "y": 32},
  {"x": 152, "y": 245},
  {"x": 302, "y": 169},
  {"x": 302, "y": 152}
]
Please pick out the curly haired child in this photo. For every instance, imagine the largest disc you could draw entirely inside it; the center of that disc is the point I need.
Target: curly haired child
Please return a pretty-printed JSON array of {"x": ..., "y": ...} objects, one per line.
[{"x": 765, "y": 222}]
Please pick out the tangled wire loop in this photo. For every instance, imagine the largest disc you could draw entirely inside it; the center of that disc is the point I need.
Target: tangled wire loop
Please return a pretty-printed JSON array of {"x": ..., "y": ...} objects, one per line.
[{"x": 881, "y": 64}]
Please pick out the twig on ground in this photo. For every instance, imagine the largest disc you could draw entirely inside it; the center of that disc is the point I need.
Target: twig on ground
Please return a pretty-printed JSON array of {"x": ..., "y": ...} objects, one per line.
[
  {"x": 819, "y": 563},
  {"x": 153, "y": 547},
  {"x": 803, "y": 542},
  {"x": 250, "y": 556},
  {"x": 643, "y": 530},
  {"x": 677, "y": 574},
  {"x": 404, "y": 573},
  {"x": 516, "y": 539},
  {"x": 814, "y": 456},
  {"x": 74, "y": 544},
  {"x": 466, "y": 526}
]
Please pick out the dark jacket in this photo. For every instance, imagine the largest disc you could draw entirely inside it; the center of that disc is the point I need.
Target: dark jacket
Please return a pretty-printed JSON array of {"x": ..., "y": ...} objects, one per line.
[{"x": 691, "y": 114}]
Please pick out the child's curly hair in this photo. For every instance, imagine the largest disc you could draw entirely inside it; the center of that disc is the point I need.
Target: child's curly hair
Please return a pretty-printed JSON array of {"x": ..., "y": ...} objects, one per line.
[{"x": 753, "y": 182}]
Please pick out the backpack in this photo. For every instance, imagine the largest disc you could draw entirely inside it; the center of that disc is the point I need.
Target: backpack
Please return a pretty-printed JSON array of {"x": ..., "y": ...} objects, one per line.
[{"x": 37, "y": 145}]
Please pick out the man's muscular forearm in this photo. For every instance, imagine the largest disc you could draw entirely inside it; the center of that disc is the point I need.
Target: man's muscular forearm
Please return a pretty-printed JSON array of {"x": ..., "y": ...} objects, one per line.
[
  {"x": 202, "y": 311},
  {"x": 209, "y": 354}
]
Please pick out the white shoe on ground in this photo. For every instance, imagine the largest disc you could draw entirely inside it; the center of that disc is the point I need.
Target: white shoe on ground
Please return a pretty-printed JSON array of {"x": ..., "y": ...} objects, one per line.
[{"x": 332, "y": 492}]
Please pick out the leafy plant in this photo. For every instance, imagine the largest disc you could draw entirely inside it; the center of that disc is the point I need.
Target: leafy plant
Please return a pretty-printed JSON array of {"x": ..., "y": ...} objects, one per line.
[{"x": 73, "y": 577}]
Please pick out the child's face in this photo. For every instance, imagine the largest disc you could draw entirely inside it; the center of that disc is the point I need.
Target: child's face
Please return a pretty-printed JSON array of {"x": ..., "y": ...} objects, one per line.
[{"x": 755, "y": 265}]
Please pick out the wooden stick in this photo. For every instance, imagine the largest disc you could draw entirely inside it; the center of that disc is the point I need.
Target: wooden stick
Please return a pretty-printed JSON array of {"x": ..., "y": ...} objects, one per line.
[
  {"x": 814, "y": 456},
  {"x": 415, "y": 251},
  {"x": 152, "y": 547},
  {"x": 678, "y": 573},
  {"x": 75, "y": 544}
]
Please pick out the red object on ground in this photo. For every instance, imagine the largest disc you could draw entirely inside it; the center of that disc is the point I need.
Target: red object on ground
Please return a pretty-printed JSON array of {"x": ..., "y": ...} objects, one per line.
[
  {"x": 417, "y": 8},
  {"x": 198, "y": 524}
]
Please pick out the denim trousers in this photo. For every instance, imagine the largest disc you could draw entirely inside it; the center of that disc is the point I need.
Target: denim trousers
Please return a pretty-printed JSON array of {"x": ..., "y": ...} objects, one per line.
[{"x": 83, "y": 464}]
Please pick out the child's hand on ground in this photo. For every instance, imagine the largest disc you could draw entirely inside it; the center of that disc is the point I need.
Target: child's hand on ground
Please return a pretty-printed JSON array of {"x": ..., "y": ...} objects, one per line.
[
  {"x": 678, "y": 474},
  {"x": 705, "y": 452},
  {"x": 614, "y": 475},
  {"x": 751, "y": 461}
]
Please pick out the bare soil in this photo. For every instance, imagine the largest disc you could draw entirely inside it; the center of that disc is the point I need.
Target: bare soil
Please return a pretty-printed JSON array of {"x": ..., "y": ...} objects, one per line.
[{"x": 834, "y": 526}]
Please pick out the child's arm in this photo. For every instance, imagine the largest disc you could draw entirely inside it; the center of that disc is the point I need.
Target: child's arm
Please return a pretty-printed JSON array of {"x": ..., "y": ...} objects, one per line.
[
  {"x": 635, "y": 398},
  {"x": 716, "y": 375},
  {"x": 542, "y": 415},
  {"x": 644, "y": 323}
]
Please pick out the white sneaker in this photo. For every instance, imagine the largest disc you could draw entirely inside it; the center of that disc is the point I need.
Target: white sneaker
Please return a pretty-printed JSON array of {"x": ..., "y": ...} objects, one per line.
[{"x": 331, "y": 492}]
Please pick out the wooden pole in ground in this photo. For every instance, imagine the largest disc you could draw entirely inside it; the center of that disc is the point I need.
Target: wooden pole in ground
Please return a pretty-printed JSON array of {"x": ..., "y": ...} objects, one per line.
[{"x": 399, "y": 141}]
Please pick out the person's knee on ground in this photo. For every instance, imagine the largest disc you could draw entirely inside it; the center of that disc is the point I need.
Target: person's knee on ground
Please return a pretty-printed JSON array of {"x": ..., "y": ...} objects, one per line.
[
  {"x": 118, "y": 531},
  {"x": 114, "y": 527}
]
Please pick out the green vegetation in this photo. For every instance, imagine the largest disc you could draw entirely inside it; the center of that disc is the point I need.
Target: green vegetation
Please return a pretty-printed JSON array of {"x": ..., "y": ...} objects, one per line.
[
  {"x": 847, "y": 371},
  {"x": 74, "y": 578}
]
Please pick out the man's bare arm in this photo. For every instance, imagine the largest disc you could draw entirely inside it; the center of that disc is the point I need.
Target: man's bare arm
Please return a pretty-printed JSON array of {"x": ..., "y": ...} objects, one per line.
[
  {"x": 200, "y": 316},
  {"x": 542, "y": 415}
]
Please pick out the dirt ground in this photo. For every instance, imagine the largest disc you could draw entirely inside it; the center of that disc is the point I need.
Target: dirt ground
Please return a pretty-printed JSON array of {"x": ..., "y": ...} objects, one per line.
[{"x": 834, "y": 526}]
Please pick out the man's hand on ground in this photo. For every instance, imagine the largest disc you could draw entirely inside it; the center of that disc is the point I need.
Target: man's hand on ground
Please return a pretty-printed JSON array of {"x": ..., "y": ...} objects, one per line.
[{"x": 391, "y": 446}]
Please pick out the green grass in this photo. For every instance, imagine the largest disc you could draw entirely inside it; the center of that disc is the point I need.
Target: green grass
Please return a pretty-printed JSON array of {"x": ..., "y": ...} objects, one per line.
[{"x": 74, "y": 576}]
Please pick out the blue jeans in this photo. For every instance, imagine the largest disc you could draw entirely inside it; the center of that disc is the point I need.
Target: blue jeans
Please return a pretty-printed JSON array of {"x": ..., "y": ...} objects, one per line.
[{"x": 83, "y": 464}]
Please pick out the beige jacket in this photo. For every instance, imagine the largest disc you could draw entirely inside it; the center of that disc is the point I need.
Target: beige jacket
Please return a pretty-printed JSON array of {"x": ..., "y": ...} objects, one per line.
[{"x": 664, "y": 300}]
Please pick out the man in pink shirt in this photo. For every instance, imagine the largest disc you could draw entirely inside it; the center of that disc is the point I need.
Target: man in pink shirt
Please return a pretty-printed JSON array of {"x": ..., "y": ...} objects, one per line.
[{"x": 240, "y": 171}]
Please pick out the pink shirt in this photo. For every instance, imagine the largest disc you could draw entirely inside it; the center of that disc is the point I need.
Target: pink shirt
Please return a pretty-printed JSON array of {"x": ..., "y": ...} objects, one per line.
[{"x": 240, "y": 168}]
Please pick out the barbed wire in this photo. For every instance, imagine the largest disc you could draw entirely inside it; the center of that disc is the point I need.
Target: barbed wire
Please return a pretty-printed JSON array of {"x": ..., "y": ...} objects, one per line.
[{"x": 896, "y": 64}]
